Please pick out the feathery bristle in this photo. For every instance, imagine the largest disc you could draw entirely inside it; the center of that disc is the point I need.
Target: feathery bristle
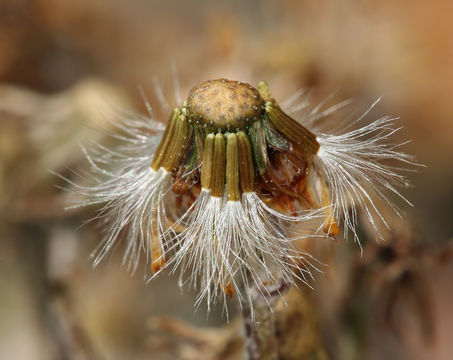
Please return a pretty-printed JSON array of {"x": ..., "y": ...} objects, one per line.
[
  {"x": 234, "y": 243},
  {"x": 356, "y": 166},
  {"x": 130, "y": 192}
]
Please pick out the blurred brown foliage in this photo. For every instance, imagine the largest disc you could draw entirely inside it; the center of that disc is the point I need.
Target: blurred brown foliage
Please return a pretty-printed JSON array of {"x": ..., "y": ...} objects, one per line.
[{"x": 66, "y": 66}]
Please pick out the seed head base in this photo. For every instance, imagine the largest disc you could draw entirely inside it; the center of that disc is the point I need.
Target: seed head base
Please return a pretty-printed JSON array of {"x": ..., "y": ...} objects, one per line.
[{"x": 224, "y": 105}]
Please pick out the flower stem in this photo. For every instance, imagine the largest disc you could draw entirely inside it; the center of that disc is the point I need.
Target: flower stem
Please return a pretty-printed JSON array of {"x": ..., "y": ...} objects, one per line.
[{"x": 260, "y": 338}]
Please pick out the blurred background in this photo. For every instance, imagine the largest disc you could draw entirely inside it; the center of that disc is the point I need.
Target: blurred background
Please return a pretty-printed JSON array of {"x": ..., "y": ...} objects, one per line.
[{"x": 67, "y": 67}]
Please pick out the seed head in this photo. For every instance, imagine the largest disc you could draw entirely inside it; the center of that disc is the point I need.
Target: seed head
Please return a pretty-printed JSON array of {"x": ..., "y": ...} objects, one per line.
[{"x": 217, "y": 194}]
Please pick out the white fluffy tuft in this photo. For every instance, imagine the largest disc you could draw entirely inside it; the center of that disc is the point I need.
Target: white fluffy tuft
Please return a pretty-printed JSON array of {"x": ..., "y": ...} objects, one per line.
[
  {"x": 357, "y": 167},
  {"x": 237, "y": 243},
  {"x": 130, "y": 192}
]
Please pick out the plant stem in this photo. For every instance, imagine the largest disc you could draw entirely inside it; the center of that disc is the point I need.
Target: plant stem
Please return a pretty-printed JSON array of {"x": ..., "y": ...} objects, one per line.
[{"x": 260, "y": 339}]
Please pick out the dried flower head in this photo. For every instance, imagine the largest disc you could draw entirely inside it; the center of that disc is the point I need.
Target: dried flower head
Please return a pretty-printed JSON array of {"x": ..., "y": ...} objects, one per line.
[{"x": 217, "y": 193}]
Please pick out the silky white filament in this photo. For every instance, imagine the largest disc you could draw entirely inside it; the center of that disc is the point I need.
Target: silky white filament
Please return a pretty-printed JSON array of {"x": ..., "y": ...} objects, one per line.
[
  {"x": 356, "y": 166},
  {"x": 235, "y": 243},
  {"x": 130, "y": 192}
]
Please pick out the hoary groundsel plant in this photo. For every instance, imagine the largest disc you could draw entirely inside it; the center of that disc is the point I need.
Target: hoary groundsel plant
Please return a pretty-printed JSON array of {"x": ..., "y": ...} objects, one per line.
[{"x": 223, "y": 193}]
